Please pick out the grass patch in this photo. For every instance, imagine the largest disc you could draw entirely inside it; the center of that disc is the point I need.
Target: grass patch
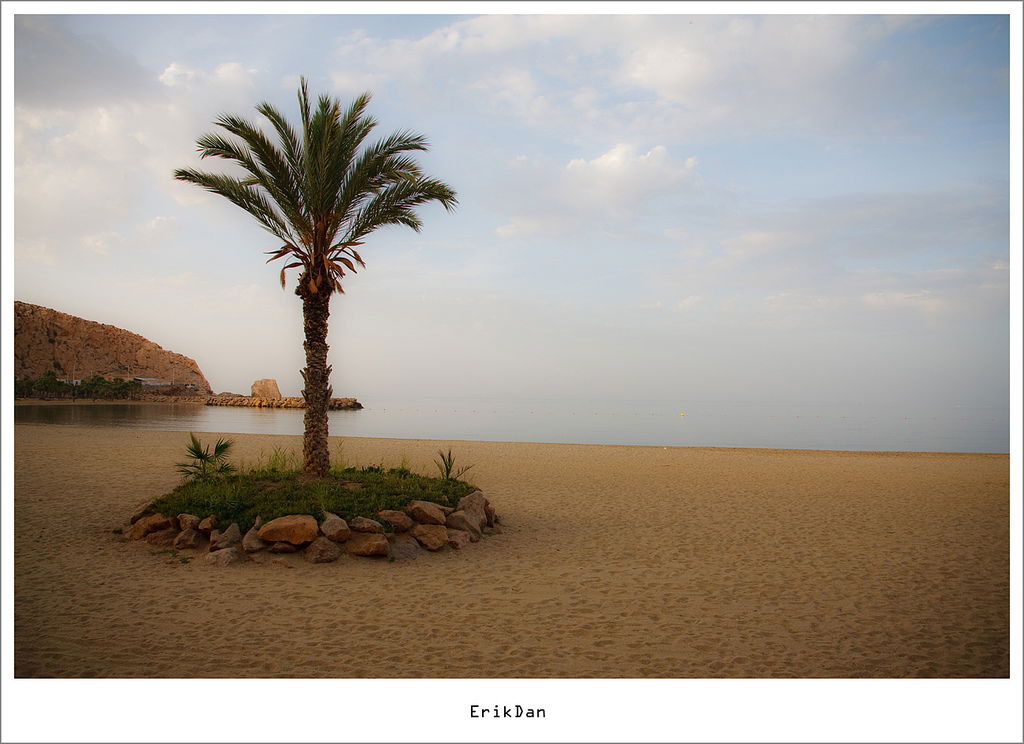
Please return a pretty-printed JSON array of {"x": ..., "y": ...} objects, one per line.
[{"x": 272, "y": 488}]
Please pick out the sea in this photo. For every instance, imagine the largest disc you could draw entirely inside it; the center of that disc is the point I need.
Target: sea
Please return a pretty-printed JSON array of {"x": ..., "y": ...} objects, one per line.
[{"x": 676, "y": 423}]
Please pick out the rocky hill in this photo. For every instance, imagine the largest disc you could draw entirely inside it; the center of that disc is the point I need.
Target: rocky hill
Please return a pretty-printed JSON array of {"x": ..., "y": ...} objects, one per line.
[{"x": 78, "y": 348}]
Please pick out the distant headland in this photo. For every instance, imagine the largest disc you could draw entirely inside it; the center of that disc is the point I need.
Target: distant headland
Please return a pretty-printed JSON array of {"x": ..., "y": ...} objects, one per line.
[
  {"x": 58, "y": 356},
  {"x": 75, "y": 350}
]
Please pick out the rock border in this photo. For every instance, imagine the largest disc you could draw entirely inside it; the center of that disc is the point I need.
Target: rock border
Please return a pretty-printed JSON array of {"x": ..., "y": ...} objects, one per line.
[
  {"x": 421, "y": 525},
  {"x": 250, "y": 401}
]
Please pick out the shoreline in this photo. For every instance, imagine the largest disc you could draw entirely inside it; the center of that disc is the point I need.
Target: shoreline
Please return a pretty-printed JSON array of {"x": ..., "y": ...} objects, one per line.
[
  {"x": 194, "y": 400},
  {"x": 229, "y": 401},
  {"x": 615, "y": 561},
  {"x": 765, "y": 450},
  {"x": 558, "y": 427}
]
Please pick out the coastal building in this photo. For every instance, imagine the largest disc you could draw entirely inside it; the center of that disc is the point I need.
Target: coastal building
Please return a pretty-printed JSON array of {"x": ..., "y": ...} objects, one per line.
[{"x": 153, "y": 382}]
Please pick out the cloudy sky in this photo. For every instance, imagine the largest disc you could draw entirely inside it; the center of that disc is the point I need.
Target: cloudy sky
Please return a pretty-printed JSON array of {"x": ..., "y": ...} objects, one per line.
[{"x": 710, "y": 207}]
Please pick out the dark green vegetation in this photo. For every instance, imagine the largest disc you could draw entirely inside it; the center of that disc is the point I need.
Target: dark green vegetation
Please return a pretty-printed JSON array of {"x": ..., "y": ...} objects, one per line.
[
  {"x": 206, "y": 462},
  {"x": 320, "y": 194},
  {"x": 277, "y": 487},
  {"x": 348, "y": 492},
  {"x": 48, "y": 385}
]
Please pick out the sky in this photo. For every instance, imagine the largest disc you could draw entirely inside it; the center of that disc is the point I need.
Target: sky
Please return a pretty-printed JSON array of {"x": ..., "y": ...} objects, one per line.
[{"x": 744, "y": 208}]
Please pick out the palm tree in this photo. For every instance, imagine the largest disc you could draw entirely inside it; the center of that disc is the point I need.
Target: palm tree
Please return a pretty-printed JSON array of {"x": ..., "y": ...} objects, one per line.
[{"x": 321, "y": 195}]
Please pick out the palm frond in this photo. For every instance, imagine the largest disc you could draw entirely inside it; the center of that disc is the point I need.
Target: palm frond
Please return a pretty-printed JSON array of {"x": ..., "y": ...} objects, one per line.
[
  {"x": 394, "y": 204},
  {"x": 289, "y": 141},
  {"x": 375, "y": 167},
  {"x": 221, "y": 448},
  {"x": 242, "y": 195},
  {"x": 320, "y": 188},
  {"x": 195, "y": 448},
  {"x": 274, "y": 172}
]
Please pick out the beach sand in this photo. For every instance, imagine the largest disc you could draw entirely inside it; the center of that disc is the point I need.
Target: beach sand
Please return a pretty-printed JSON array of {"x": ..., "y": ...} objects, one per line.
[{"x": 615, "y": 562}]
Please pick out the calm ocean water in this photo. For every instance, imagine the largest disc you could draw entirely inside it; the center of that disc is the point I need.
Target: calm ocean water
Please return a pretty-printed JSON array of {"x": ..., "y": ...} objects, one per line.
[{"x": 827, "y": 427}]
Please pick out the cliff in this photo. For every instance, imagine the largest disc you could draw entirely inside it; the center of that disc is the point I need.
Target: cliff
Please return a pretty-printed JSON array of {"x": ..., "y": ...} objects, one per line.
[{"x": 74, "y": 347}]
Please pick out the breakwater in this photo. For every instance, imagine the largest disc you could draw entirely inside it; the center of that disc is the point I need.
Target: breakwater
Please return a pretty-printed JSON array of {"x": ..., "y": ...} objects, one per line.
[{"x": 247, "y": 401}]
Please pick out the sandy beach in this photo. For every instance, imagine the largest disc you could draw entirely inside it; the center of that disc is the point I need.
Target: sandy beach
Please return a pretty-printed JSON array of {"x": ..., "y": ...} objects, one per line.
[{"x": 615, "y": 562}]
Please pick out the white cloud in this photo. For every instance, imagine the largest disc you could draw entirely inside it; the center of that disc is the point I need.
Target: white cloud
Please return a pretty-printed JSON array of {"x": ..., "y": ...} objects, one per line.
[
  {"x": 177, "y": 74},
  {"x": 97, "y": 166},
  {"x": 923, "y": 300},
  {"x": 801, "y": 303},
  {"x": 669, "y": 78},
  {"x": 688, "y": 303},
  {"x": 621, "y": 179},
  {"x": 618, "y": 185},
  {"x": 159, "y": 223},
  {"x": 102, "y": 243},
  {"x": 232, "y": 74},
  {"x": 751, "y": 245},
  {"x": 673, "y": 70},
  {"x": 893, "y": 260}
]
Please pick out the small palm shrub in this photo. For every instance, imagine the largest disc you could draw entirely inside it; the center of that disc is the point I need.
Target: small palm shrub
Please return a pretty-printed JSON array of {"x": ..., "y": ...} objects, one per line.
[{"x": 206, "y": 463}]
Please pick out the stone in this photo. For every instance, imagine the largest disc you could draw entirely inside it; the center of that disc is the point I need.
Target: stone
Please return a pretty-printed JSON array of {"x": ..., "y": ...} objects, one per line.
[
  {"x": 207, "y": 524},
  {"x": 249, "y": 401},
  {"x": 283, "y": 547},
  {"x": 458, "y": 539},
  {"x": 251, "y": 542},
  {"x": 224, "y": 557},
  {"x": 430, "y": 536},
  {"x": 368, "y": 543},
  {"x": 492, "y": 517},
  {"x": 401, "y": 521},
  {"x": 191, "y": 539},
  {"x": 404, "y": 546},
  {"x": 426, "y": 512},
  {"x": 188, "y": 521},
  {"x": 144, "y": 509},
  {"x": 163, "y": 538},
  {"x": 322, "y": 550},
  {"x": 152, "y": 523},
  {"x": 229, "y": 538},
  {"x": 296, "y": 529},
  {"x": 460, "y": 520},
  {"x": 335, "y": 528},
  {"x": 362, "y": 524},
  {"x": 474, "y": 506},
  {"x": 265, "y": 389}
]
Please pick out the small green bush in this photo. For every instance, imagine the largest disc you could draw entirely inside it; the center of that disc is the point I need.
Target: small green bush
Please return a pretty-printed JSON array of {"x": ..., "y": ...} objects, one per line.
[
  {"x": 274, "y": 486},
  {"x": 348, "y": 492},
  {"x": 206, "y": 463}
]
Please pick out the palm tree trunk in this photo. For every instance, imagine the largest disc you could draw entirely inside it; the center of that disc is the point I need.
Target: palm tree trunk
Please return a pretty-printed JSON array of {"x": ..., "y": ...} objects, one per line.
[{"x": 316, "y": 457}]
